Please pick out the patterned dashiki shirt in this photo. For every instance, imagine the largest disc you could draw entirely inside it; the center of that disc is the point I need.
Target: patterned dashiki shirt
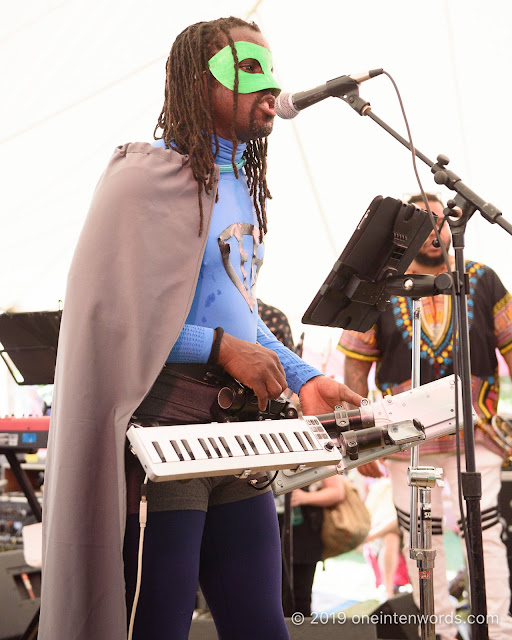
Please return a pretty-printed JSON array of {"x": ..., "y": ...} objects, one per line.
[{"x": 389, "y": 344}]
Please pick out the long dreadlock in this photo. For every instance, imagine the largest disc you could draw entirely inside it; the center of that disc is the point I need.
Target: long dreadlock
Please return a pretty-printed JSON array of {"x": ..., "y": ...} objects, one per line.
[{"x": 186, "y": 119}]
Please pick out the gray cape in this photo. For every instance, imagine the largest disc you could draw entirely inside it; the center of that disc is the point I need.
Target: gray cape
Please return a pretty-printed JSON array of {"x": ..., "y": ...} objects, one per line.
[{"x": 129, "y": 290}]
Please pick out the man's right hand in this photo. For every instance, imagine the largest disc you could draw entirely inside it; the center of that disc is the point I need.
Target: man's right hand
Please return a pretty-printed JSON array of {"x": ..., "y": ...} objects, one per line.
[{"x": 254, "y": 366}]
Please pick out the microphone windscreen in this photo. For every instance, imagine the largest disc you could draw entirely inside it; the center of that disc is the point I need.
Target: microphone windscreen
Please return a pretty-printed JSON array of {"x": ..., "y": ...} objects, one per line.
[{"x": 284, "y": 106}]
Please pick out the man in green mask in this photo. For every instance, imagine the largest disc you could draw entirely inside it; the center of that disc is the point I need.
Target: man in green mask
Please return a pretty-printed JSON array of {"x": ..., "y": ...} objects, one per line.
[{"x": 160, "y": 314}]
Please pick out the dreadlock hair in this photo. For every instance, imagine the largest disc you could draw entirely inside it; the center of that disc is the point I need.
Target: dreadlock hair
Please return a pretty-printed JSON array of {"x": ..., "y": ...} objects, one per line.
[{"x": 187, "y": 121}]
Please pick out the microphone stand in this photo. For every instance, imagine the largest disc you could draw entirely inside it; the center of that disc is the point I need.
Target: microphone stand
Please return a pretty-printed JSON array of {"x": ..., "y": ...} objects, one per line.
[
  {"x": 420, "y": 479},
  {"x": 469, "y": 202}
]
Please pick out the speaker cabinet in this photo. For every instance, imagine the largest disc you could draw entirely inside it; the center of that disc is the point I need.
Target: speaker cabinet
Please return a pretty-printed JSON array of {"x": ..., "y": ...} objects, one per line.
[
  {"x": 391, "y": 624},
  {"x": 204, "y": 629},
  {"x": 20, "y": 592}
]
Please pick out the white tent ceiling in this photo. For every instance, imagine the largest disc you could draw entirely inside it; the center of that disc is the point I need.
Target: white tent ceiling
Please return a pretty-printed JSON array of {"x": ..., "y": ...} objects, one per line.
[{"x": 79, "y": 77}]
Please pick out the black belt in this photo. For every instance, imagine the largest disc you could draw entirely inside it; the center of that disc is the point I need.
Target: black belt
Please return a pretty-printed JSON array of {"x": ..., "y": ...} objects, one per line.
[
  {"x": 233, "y": 398},
  {"x": 211, "y": 374},
  {"x": 234, "y": 401}
]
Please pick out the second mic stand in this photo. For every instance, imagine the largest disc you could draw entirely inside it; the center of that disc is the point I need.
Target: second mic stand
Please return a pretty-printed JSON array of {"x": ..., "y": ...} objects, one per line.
[{"x": 420, "y": 479}]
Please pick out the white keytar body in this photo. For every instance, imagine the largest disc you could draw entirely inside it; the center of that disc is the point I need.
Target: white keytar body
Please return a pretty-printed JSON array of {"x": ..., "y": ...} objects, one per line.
[{"x": 293, "y": 447}]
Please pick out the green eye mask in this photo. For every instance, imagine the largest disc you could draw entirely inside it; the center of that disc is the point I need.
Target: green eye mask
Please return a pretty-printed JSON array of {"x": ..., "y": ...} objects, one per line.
[{"x": 222, "y": 66}]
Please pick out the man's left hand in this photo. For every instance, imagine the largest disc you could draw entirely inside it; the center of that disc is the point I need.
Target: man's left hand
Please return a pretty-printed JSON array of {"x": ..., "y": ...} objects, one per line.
[{"x": 321, "y": 394}]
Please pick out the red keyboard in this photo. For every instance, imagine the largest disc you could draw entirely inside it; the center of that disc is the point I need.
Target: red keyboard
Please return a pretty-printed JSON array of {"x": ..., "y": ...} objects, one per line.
[{"x": 24, "y": 434}]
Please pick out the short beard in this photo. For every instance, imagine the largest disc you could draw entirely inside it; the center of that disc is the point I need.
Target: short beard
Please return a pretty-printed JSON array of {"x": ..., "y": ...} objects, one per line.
[
  {"x": 429, "y": 261},
  {"x": 258, "y": 131},
  {"x": 432, "y": 261}
]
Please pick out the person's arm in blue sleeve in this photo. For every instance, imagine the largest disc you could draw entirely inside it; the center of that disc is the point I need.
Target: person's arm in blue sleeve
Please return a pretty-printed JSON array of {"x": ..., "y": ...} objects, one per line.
[
  {"x": 317, "y": 393},
  {"x": 297, "y": 371}
]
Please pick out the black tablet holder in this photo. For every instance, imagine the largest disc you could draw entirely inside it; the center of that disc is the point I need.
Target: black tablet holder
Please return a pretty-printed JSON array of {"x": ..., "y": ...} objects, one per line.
[{"x": 372, "y": 268}]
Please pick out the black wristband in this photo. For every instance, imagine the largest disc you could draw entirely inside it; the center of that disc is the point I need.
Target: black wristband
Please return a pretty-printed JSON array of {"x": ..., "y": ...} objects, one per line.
[{"x": 214, "y": 353}]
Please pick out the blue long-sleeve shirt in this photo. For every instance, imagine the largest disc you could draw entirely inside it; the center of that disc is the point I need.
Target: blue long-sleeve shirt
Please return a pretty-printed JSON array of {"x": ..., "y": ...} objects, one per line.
[{"x": 225, "y": 295}]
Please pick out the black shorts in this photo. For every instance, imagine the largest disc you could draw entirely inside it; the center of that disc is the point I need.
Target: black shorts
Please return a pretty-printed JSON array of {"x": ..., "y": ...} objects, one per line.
[{"x": 183, "y": 394}]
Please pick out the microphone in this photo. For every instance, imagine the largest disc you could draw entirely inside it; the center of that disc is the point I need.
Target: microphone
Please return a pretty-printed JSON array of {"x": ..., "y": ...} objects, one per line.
[
  {"x": 288, "y": 105},
  {"x": 435, "y": 241}
]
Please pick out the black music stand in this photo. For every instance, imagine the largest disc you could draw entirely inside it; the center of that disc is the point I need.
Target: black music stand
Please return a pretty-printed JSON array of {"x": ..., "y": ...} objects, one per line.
[{"x": 28, "y": 346}]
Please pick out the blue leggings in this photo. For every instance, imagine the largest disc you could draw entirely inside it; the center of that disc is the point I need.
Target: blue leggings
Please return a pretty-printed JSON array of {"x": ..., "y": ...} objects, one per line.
[{"x": 233, "y": 550}]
